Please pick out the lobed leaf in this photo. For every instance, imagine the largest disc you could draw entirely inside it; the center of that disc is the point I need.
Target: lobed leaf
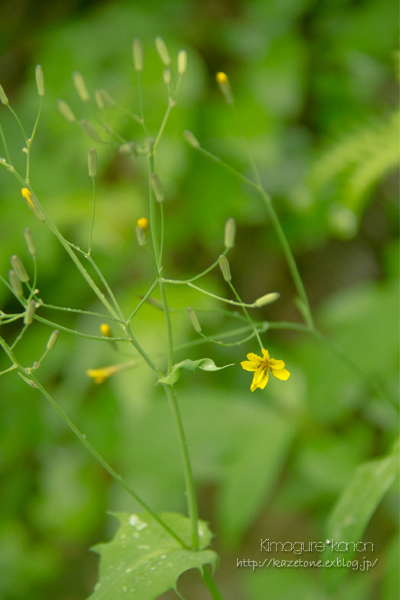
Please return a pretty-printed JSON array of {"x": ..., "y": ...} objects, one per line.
[{"x": 144, "y": 561}]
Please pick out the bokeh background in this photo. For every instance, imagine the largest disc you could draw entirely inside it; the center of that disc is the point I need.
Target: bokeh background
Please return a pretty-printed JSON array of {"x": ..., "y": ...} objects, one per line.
[{"x": 316, "y": 90}]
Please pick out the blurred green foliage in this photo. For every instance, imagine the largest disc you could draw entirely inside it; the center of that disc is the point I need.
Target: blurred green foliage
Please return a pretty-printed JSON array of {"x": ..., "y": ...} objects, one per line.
[{"x": 309, "y": 79}]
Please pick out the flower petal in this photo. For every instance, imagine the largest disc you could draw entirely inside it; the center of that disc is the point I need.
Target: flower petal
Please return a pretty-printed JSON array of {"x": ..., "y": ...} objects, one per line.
[
  {"x": 265, "y": 354},
  {"x": 282, "y": 374},
  {"x": 276, "y": 364},
  {"x": 249, "y": 366},
  {"x": 260, "y": 379},
  {"x": 254, "y": 358}
]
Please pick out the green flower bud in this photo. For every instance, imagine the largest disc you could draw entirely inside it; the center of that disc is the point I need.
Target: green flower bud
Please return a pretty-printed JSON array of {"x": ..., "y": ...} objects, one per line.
[
  {"x": 80, "y": 86},
  {"x": 157, "y": 187},
  {"x": 194, "y": 319},
  {"x": 90, "y": 130},
  {"x": 19, "y": 268},
  {"x": 15, "y": 283},
  {"x": 267, "y": 299},
  {"x": 66, "y": 111},
  {"x": 107, "y": 98},
  {"x": 52, "y": 339},
  {"x": 129, "y": 148},
  {"x": 98, "y": 98},
  {"x": 138, "y": 54},
  {"x": 3, "y": 96},
  {"x": 167, "y": 77},
  {"x": 30, "y": 311},
  {"x": 191, "y": 139},
  {"x": 30, "y": 241},
  {"x": 39, "y": 80},
  {"x": 92, "y": 162},
  {"x": 225, "y": 269},
  {"x": 163, "y": 51},
  {"x": 229, "y": 233},
  {"x": 182, "y": 61}
]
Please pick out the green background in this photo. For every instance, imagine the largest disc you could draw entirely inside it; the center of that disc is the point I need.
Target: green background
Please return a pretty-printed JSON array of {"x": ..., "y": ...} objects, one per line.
[{"x": 315, "y": 87}]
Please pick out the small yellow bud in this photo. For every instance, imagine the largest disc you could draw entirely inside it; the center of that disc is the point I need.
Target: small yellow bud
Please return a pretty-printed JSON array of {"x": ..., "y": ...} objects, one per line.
[
  {"x": 92, "y": 162},
  {"x": 222, "y": 77},
  {"x": 39, "y": 80},
  {"x": 143, "y": 223},
  {"x": 163, "y": 51},
  {"x": 224, "y": 85},
  {"x": 128, "y": 148},
  {"x": 80, "y": 86},
  {"x": 142, "y": 227},
  {"x": 225, "y": 268},
  {"x": 138, "y": 54},
  {"x": 66, "y": 111},
  {"x": 105, "y": 330}
]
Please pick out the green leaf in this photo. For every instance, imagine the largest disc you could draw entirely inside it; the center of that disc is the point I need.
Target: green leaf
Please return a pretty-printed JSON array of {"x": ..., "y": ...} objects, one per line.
[
  {"x": 205, "y": 364},
  {"x": 144, "y": 561},
  {"x": 355, "y": 507}
]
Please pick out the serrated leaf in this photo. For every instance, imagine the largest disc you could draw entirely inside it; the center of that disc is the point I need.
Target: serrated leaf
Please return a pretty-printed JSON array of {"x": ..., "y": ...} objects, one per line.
[
  {"x": 356, "y": 506},
  {"x": 143, "y": 561},
  {"x": 205, "y": 364}
]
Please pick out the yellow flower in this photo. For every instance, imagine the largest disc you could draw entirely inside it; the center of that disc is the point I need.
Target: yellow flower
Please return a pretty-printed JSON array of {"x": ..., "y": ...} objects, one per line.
[
  {"x": 100, "y": 375},
  {"x": 262, "y": 366},
  {"x": 105, "y": 330},
  {"x": 221, "y": 77},
  {"x": 143, "y": 223}
]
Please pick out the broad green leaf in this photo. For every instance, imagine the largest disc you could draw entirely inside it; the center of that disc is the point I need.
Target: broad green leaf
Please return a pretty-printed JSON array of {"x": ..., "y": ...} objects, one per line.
[
  {"x": 354, "y": 509},
  {"x": 143, "y": 561},
  {"x": 205, "y": 364}
]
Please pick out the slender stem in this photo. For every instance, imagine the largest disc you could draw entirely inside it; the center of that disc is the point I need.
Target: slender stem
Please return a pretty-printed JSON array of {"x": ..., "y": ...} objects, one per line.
[
  {"x": 103, "y": 462},
  {"x": 3, "y": 137},
  {"x": 171, "y": 104},
  {"x": 19, "y": 337},
  {"x": 107, "y": 286},
  {"x": 16, "y": 117},
  {"x": 80, "y": 311},
  {"x": 210, "y": 583},
  {"x": 141, "y": 111},
  {"x": 289, "y": 258},
  {"x": 195, "y": 287},
  {"x": 142, "y": 301},
  {"x": 79, "y": 333},
  {"x": 29, "y": 142},
  {"x": 250, "y": 320},
  {"x": 210, "y": 268},
  {"x": 192, "y": 502},
  {"x": 92, "y": 220}
]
